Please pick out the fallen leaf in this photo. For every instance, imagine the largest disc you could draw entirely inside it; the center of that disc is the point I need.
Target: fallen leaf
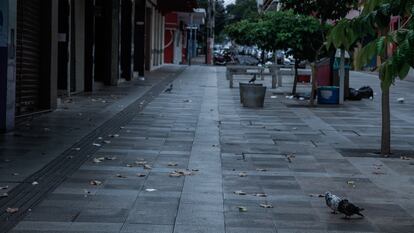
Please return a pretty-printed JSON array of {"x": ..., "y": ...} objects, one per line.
[
  {"x": 378, "y": 173},
  {"x": 113, "y": 135},
  {"x": 2, "y": 195},
  {"x": 100, "y": 138},
  {"x": 130, "y": 165},
  {"x": 266, "y": 206},
  {"x": 120, "y": 176},
  {"x": 107, "y": 142},
  {"x": 242, "y": 209},
  {"x": 70, "y": 157},
  {"x": 273, "y": 97},
  {"x": 260, "y": 194},
  {"x": 187, "y": 101},
  {"x": 98, "y": 160},
  {"x": 239, "y": 192},
  {"x": 148, "y": 167},
  {"x": 141, "y": 175},
  {"x": 405, "y": 158},
  {"x": 150, "y": 190},
  {"x": 15, "y": 174},
  {"x": 140, "y": 163},
  {"x": 195, "y": 170},
  {"x": 261, "y": 169},
  {"x": 110, "y": 158},
  {"x": 96, "y": 144},
  {"x": 351, "y": 182},
  {"x": 172, "y": 164},
  {"x": 175, "y": 174},
  {"x": 4, "y": 187},
  {"x": 12, "y": 210},
  {"x": 35, "y": 183},
  {"x": 242, "y": 174},
  {"x": 76, "y": 148},
  {"x": 290, "y": 157},
  {"x": 95, "y": 182}
]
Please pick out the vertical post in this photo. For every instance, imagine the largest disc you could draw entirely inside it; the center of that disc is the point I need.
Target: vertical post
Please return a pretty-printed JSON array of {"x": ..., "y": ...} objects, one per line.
[
  {"x": 7, "y": 64},
  {"x": 139, "y": 37},
  {"x": 342, "y": 77},
  {"x": 190, "y": 41},
  {"x": 114, "y": 42}
]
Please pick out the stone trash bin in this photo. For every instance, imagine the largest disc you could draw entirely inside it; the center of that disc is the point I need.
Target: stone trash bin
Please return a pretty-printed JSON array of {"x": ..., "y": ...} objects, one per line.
[
  {"x": 242, "y": 88},
  {"x": 252, "y": 95}
]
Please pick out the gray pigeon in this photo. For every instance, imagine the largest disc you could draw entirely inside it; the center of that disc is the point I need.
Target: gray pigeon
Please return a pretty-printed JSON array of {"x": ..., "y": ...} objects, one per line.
[
  {"x": 168, "y": 90},
  {"x": 332, "y": 201},
  {"x": 349, "y": 209}
]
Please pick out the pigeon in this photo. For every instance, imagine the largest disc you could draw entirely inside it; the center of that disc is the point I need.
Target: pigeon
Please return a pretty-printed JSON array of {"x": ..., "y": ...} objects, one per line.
[
  {"x": 253, "y": 79},
  {"x": 332, "y": 201},
  {"x": 349, "y": 209},
  {"x": 168, "y": 90}
]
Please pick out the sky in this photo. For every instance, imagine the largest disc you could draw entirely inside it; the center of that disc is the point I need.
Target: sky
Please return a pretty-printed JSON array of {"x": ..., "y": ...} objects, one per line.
[{"x": 226, "y": 2}]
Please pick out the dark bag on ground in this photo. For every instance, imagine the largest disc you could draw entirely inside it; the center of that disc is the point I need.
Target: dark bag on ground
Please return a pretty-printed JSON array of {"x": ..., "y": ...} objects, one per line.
[
  {"x": 354, "y": 94},
  {"x": 366, "y": 92}
]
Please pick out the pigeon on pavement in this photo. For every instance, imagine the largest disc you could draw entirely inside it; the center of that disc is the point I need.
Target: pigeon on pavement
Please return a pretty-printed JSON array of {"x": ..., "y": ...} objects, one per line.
[
  {"x": 349, "y": 209},
  {"x": 332, "y": 201},
  {"x": 253, "y": 79},
  {"x": 168, "y": 90}
]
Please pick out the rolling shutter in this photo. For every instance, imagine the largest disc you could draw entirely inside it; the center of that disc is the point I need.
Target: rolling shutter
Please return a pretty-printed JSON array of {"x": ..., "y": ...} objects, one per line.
[{"x": 28, "y": 56}]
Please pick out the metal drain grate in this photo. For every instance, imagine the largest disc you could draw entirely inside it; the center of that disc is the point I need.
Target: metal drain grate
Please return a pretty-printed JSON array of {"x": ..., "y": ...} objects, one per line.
[{"x": 25, "y": 196}]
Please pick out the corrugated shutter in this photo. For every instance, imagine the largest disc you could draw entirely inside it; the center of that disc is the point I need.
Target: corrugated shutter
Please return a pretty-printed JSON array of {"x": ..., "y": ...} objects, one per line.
[{"x": 28, "y": 56}]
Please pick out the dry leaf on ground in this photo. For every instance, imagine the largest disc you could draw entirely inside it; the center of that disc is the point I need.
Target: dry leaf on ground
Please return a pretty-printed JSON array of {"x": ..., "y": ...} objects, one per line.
[
  {"x": 260, "y": 194},
  {"x": 242, "y": 208},
  {"x": 261, "y": 169},
  {"x": 35, "y": 183},
  {"x": 110, "y": 158},
  {"x": 239, "y": 192},
  {"x": 95, "y": 182},
  {"x": 120, "y": 176},
  {"x": 12, "y": 210},
  {"x": 242, "y": 174},
  {"x": 405, "y": 158},
  {"x": 148, "y": 167},
  {"x": 98, "y": 160},
  {"x": 266, "y": 206},
  {"x": 150, "y": 190},
  {"x": 141, "y": 175},
  {"x": 172, "y": 164},
  {"x": 96, "y": 144}
]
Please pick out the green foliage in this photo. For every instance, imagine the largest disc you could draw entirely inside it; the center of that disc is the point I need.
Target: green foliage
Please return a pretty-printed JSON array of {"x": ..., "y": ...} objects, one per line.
[
  {"x": 374, "y": 21},
  {"x": 281, "y": 30},
  {"x": 322, "y": 9},
  {"x": 242, "y": 9}
]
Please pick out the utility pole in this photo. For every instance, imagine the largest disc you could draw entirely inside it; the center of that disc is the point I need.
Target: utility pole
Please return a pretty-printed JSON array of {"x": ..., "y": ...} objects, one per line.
[{"x": 210, "y": 31}]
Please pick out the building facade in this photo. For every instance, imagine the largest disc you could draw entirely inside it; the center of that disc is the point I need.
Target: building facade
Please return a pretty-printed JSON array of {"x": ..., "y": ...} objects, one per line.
[{"x": 50, "y": 49}]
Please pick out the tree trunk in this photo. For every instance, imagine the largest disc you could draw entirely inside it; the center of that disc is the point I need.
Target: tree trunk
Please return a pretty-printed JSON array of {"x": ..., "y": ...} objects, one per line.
[
  {"x": 295, "y": 80},
  {"x": 386, "y": 122}
]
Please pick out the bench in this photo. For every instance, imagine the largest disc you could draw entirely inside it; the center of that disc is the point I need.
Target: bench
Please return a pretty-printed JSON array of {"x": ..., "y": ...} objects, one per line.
[{"x": 276, "y": 71}]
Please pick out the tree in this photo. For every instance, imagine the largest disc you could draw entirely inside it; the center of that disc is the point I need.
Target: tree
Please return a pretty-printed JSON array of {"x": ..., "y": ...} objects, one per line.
[
  {"x": 322, "y": 9},
  {"x": 219, "y": 18},
  {"x": 242, "y": 9},
  {"x": 374, "y": 22},
  {"x": 281, "y": 30}
]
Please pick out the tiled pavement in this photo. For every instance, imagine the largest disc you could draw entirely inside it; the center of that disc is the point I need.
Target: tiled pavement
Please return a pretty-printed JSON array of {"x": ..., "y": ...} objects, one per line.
[{"x": 200, "y": 126}]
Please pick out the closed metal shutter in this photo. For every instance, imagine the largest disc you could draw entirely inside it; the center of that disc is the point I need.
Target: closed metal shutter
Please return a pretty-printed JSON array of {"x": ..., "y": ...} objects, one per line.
[{"x": 28, "y": 56}]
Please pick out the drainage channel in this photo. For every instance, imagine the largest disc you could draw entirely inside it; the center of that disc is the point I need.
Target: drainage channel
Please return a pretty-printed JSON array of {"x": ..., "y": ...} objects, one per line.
[{"x": 25, "y": 196}]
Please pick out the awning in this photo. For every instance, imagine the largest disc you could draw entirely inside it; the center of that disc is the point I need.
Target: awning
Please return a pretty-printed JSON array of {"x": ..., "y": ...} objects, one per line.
[{"x": 167, "y": 6}]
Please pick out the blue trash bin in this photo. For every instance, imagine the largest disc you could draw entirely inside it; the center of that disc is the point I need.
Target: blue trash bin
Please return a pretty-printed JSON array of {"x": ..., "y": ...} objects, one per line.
[{"x": 328, "y": 95}]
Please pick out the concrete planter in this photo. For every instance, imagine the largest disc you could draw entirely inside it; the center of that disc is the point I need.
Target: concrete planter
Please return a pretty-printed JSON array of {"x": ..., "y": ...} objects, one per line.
[
  {"x": 242, "y": 88},
  {"x": 252, "y": 95}
]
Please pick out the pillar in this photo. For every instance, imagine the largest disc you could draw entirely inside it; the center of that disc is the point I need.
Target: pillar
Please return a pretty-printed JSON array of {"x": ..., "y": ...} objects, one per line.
[
  {"x": 139, "y": 37},
  {"x": 7, "y": 64}
]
